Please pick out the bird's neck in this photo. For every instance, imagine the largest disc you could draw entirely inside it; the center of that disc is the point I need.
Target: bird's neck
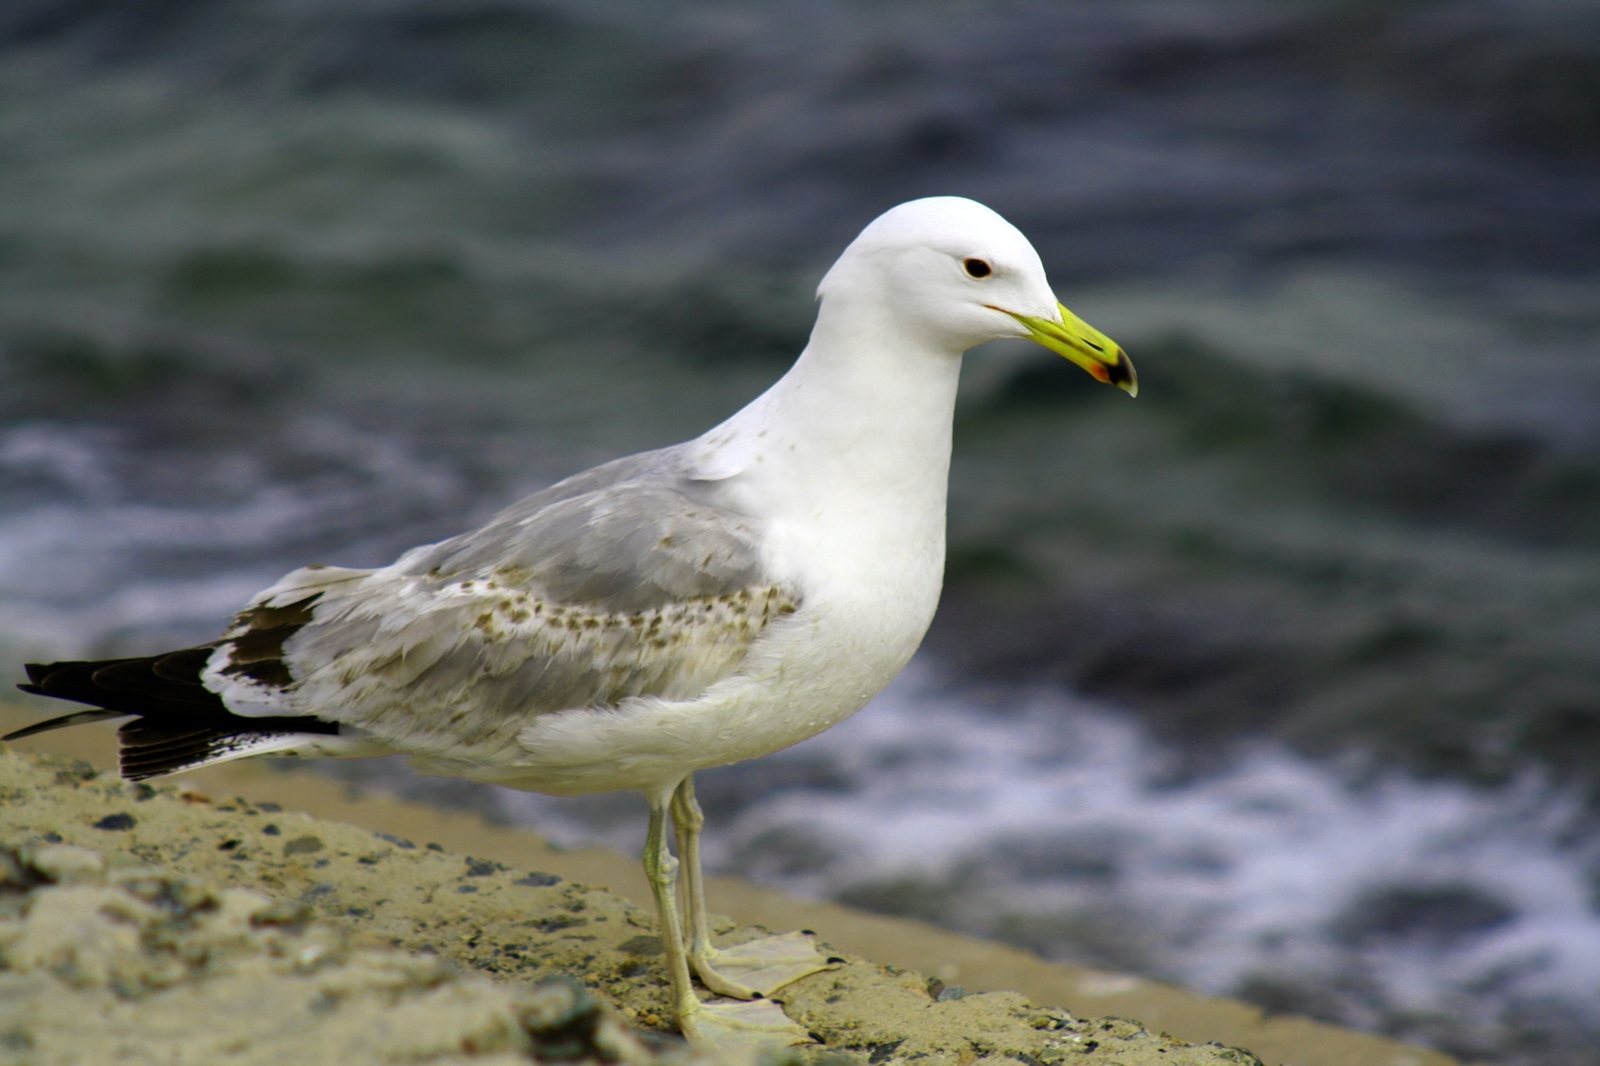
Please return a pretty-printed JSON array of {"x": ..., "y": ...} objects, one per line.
[{"x": 866, "y": 409}]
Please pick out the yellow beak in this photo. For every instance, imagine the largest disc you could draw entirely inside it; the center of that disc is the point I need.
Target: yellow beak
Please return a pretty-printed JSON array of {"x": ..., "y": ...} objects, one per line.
[{"x": 1084, "y": 345}]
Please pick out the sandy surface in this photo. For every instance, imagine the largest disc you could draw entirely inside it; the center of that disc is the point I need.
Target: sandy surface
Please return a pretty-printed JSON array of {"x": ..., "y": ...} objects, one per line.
[
  {"x": 952, "y": 958},
  {"x": 286, "y": 937},
  {"x": 125, "y": 963}
]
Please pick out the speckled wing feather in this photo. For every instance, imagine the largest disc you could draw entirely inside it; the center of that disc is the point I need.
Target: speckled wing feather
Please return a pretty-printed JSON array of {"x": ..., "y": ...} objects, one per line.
[{"x": 627, "y": 580}]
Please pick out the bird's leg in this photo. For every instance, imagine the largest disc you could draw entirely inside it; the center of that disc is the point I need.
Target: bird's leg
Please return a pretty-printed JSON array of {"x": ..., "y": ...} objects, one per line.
[
  {"x": 687, "y": 820},
  {"x": 719, "y": 1025},
  {"x": 744, "y": 971},
  {"x": 662, "y": 870}
]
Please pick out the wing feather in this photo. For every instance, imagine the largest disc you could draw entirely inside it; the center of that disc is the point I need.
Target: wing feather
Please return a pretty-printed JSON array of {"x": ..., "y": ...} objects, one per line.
[{"x": 628, "y": 580}]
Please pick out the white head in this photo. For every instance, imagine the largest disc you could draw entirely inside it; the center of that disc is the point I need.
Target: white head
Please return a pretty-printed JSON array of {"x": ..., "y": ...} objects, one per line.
[{"x": 954, "y": 274}]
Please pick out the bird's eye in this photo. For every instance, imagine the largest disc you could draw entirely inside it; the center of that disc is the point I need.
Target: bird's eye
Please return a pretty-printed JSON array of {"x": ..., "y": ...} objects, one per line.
[{"x": 977, "y": 268}]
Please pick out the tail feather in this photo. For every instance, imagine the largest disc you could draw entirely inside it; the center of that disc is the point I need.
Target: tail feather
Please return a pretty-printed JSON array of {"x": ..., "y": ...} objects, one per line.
[
  {"x": 151, "y": 751},
  {"x": 179, "y": 724}
]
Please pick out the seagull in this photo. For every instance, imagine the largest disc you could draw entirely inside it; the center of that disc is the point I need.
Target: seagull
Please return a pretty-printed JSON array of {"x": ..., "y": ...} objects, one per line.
[{"x": 663, "y": 613}]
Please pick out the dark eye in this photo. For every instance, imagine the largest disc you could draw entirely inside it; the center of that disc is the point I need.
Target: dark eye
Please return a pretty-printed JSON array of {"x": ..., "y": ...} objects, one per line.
[{"x": 977, "y": 268}]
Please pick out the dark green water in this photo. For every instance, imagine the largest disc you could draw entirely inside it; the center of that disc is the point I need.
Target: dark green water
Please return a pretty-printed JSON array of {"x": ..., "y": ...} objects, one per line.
[{"x": 285, "y": 281}]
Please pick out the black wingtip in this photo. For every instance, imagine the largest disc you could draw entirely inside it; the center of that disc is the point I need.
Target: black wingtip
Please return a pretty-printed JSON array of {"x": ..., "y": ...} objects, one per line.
[
  {"x": 178, "y": 723},
  {"x": 64, "y": 722}
]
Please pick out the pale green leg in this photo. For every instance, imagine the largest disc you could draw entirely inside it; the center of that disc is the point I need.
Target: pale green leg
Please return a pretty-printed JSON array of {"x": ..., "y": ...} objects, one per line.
[
  {"x": 719, "y": 1025},
  {"x": 744, "y": 971},
  {"x": 662, "y": 870}
]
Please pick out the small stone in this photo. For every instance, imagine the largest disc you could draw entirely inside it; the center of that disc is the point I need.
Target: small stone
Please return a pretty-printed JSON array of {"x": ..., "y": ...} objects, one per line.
[
  {"x": 302, "y": 846},
  {"x": 282, "y": 914},
  {"x": 15, "y": 872},
  {"x": 66, "y": 864},
  {"x": 558, "y": 1007},
  {"x": 116, "y": 821},
  {"x": 643, "y": 945}
]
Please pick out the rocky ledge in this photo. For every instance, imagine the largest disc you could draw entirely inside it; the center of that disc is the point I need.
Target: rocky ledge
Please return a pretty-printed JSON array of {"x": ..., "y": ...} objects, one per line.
[{"x": 144, "y": 925}]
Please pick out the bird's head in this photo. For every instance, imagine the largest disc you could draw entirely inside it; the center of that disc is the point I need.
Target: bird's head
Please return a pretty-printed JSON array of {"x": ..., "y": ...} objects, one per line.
[{"x": 958, "y": 275}]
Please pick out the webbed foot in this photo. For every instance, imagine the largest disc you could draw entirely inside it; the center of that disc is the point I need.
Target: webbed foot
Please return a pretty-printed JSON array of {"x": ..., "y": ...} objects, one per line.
[
  {"x": 748, "y": 1025},
  {"x": 760, "y": 967}
]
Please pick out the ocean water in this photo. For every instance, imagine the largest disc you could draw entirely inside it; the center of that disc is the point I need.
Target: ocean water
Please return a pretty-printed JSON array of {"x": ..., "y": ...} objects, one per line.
[{"x": 1280, "y": 680}]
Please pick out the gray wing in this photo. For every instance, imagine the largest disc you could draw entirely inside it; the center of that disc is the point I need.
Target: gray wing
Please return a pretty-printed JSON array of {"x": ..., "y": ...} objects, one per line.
[
  {"x": 626, "y": 580},
  {"x": 627, "y": 536}
]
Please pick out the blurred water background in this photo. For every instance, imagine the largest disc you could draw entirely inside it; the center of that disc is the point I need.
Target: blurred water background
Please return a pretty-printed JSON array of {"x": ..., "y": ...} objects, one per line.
[{"x": 1280, "y": 681}]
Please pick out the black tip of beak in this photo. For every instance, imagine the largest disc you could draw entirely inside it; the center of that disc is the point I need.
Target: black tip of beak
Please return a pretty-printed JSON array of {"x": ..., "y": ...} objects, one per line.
[{"x": 1123, "y": 375}]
